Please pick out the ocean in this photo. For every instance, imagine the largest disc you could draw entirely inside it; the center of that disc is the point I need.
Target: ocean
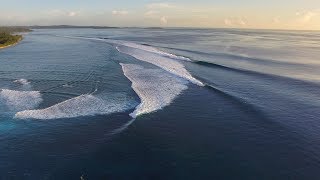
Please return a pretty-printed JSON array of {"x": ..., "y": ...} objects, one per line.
[{"x": 134, "y": 103}]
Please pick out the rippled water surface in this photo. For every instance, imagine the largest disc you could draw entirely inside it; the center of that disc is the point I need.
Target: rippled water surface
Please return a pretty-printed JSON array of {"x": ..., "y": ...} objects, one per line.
[{"x": 161, "y": 104}]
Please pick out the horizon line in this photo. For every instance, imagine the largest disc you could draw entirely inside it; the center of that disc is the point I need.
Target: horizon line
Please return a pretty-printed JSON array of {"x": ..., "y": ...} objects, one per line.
[{"x": 155, "y": 27}]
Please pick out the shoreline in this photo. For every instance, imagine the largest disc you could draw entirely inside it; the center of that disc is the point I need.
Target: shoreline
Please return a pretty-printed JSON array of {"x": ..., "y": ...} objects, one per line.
[{"x": 10, "y": 45}]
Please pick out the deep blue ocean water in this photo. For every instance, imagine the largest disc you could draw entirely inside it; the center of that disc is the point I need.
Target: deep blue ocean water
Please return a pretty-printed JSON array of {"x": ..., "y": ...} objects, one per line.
[{"x": 161, "y": 104}]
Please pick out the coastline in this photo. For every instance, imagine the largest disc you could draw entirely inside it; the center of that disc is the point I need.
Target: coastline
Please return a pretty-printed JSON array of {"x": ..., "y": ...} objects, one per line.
[{"x": 10, "y": 45}]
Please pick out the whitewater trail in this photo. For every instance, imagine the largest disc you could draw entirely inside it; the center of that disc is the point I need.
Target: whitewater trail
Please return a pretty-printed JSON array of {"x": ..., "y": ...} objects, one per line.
[
  {"x": 83, "y": 105},
  {"x": 155, "y": 87}
]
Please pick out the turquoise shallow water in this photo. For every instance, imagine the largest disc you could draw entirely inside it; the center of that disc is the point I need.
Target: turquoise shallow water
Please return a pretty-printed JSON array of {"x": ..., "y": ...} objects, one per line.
[{"x": 160, "y": 104}]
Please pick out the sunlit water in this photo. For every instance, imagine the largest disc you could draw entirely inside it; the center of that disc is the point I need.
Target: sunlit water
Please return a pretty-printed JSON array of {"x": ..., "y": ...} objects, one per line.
[{"x": 161, "y": 104}]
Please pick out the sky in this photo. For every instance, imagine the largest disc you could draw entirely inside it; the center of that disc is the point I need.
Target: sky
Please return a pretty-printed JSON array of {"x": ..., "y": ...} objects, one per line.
[{"x": 256, "y": 14}]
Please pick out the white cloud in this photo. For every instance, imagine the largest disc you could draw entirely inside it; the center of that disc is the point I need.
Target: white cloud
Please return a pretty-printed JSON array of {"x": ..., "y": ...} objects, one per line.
[
  {"x": 59, "y": 13},
  {"x": 164, "y": 20},
  {"x": 159, "y": 5},
  {"x": 120, "y": 12},
  {"x": 56, "y": 12},
  {"x": 151, "y": 13},
  {"x": 276, "y": 20},
  {"x": 307, "y": 16},
  {"x": 159, "y": 11},
  {"x": 228, "y": 22},
  {"x": 72, "y": 14},
  {"x": 235, "y": 21},
  {"x": 156, "y": 10},
  {"x": 242, "y": 22}
]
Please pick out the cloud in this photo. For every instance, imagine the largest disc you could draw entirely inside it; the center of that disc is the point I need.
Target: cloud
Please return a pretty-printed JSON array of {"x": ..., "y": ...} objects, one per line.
[
  {"x": 72, "y": 14},
  {"x": 228, "y": 22},
  {"x": 164, "y": 20},
  {"x": 159, "y": 11},
  {"x": 120, "y": 12},
  {"x": 235, "y": 21},
  {"x": 56, "y": 12},
  {"x": 159, "y": 6},
  {"x": 61, "y": 13},
  {"x": 242, "y": 22},
  {"x": 276, "y": 20},
  {"x": 307, "y": 16},
  {"x": 151, "y": 13}
]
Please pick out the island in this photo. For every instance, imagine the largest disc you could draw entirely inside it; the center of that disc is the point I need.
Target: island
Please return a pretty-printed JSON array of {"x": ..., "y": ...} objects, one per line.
[{"x": 9, "y": 36}]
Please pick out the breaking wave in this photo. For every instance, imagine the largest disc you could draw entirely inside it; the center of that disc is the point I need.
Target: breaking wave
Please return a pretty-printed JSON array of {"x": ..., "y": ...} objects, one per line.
[
  {"x": 152, "y": 50},
  {"x": 145, "y": 47},
  {"x": 20, "y": 100},
  {"x": 155, "y": 87},
  {"x": 83, "y": 105},
  {"x": 152, "y": 55},
  {"x": 163, "y": 62}
]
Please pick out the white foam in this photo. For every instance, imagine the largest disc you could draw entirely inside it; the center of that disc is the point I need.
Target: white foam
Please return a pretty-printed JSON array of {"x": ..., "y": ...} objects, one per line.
[
  {"x": 155, "y": 87},
  {"x": 20, "y": 100},
  {"x": 165, "y": 63},
  {"x": 22, "y": 81},
  {"x": 26, "y": 85},
  {"x": 84, "y": 105}
]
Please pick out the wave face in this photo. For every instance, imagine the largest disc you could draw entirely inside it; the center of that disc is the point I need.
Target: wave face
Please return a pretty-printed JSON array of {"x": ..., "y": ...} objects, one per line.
[
  {"x": 84, "y": 105},
  {"x": 154, "y": 56},
  {"x": 20, "y": 100},
  {"x": 155, "y": 87}
]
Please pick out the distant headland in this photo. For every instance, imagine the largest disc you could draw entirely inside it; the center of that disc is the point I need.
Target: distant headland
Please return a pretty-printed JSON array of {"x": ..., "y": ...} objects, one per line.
[
  {"x": 69, "y": 27},
  {"x": 10, "y": 36},
  {"x": 84, "y": 27}
]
